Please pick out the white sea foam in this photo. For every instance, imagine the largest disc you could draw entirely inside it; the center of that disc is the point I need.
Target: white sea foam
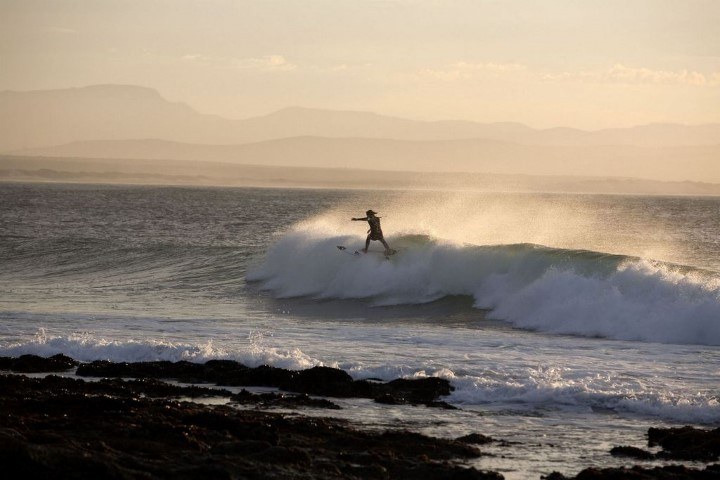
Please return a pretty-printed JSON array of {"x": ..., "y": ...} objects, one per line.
[
  {"x": 532, "y": 287},
  {"x": 502, "y": 386},
  {"x": 86, "y": 347},
  {"x": 639, "y": 301},
  {"x": 555, "y": 391}
]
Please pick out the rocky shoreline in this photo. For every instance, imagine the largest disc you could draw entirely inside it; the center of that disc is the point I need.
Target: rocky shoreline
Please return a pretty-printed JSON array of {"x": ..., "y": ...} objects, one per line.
[{"x": 129, "y": 422}]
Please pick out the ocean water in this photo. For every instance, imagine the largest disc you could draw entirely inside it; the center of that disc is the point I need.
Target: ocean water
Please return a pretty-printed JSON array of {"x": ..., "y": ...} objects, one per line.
[{"x": 567, "y": 324}]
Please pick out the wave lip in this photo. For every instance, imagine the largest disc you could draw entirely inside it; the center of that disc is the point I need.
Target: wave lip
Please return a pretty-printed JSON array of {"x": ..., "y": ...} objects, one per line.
[{"x": 532, "y": 287}]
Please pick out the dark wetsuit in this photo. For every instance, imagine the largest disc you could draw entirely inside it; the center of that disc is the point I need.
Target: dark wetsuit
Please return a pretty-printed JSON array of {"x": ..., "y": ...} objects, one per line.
[{"x": 375, "y": 230}]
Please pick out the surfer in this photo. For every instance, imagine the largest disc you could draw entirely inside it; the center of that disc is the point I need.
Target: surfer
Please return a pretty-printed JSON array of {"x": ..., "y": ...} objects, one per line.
[{"x": 375, "y": 232}]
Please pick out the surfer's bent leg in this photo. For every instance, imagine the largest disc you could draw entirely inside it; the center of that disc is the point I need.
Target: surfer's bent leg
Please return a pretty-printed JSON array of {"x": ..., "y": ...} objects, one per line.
[
  {"x": 387, "y": 247},
  {"x": 367, "y": 244}
]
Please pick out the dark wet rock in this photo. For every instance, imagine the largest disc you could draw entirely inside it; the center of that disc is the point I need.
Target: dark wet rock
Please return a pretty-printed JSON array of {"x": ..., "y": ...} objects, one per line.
[
  {"x": 443, "y": 405},
  {"x": 632, "y": 452},
  {"x": 321, "y": 381},
  {"x": 366, "y": 471},
  {"x": 265, "y": 400},
  {"x": 184, "y": 371},
  {"x": 476, "y": 439},
  {"x": 554, "y": 476},
  {"x": 153, "y": 388},
  {"x": 431, "y": 471},
  {"x": 36, "y": 364},
  {"x": 686, "y": 443},
  {"x": 420, "y": 390},
  {"x": 150, "y": 388},
  {"x": 389, "y": 399},
  {"x": 671, "y": 472},
  {"x": 321, "y": 378},
  {"x": 57, "y": 427}
]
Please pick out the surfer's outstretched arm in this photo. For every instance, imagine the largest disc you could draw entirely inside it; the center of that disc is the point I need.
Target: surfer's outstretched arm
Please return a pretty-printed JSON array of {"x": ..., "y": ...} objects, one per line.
[{"x": 359, "y": 219}]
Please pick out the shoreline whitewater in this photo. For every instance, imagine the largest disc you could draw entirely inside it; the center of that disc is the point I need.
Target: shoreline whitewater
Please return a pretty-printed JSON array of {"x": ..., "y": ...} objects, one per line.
[{"x": 133, "y": 420}]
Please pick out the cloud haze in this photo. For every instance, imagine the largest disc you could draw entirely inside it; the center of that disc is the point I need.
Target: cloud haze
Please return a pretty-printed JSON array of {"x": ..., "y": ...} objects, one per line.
[{"x": 558, "y": 62}]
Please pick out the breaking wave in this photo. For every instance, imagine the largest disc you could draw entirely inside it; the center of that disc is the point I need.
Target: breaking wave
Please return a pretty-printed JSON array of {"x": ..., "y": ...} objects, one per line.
[{"x": 533, "y": 287}]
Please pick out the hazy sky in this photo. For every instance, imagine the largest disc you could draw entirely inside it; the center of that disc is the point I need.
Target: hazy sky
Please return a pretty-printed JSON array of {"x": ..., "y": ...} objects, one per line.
[{"x": 582, "y": 63}]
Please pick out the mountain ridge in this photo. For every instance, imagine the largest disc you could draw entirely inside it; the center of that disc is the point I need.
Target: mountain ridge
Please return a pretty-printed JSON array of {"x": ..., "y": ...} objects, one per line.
[{"x": 43, "y": 118}]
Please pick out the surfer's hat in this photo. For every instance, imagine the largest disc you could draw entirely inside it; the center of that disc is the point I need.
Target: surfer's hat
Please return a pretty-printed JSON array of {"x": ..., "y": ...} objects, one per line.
[{"x": 370, "y": 212}]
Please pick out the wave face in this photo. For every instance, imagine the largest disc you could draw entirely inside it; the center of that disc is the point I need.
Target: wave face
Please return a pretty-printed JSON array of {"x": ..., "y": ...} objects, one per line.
[{"x": 551, "y": 290}]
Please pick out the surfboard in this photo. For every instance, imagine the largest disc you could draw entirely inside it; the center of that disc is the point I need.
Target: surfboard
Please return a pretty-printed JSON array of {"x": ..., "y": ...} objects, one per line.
[{"x": 386, "y": 253}]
